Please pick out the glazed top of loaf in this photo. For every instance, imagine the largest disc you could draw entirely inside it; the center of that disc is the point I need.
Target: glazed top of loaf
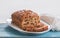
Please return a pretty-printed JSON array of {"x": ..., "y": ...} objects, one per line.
[{"x": 22, "y": 14}]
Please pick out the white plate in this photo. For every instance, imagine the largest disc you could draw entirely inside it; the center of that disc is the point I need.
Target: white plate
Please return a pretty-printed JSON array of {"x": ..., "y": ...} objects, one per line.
[{"x": 20, "y": 30}]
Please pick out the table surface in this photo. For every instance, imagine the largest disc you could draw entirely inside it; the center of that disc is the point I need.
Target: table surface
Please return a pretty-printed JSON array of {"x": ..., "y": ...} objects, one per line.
[{"x": 6, "y": 31}]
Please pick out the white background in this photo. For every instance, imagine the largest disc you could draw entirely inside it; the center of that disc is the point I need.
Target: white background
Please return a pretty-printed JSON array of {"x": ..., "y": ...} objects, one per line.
[{"x": 7, "y": 7}]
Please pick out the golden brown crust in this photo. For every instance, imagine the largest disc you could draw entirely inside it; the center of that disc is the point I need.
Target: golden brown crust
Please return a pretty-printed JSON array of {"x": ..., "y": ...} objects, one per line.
[{"x": 28, "y": 20}]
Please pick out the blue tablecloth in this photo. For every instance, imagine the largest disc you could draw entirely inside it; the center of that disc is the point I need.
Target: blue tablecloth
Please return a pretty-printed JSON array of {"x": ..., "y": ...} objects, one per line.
[{"x": 6, "y": 31}]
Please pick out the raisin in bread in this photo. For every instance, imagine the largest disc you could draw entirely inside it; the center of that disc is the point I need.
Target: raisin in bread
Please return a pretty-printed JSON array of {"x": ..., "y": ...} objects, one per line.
[{"x": 28, "y": 21}]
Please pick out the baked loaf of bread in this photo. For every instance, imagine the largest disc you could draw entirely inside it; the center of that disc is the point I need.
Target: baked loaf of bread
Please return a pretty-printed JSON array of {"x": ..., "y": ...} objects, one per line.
[{"x": 28, "y": 21}]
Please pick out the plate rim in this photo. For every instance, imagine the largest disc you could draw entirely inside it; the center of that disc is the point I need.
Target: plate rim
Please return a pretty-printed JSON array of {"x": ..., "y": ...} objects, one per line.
[{"x": 18, "y": 29}]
